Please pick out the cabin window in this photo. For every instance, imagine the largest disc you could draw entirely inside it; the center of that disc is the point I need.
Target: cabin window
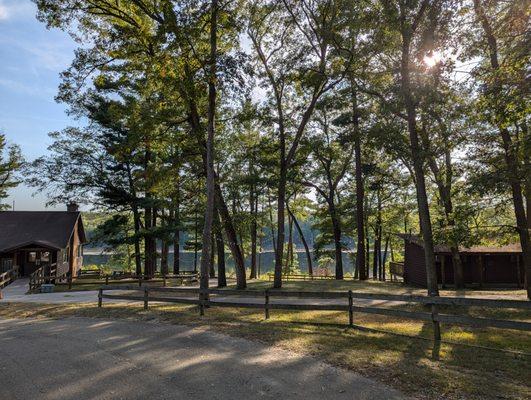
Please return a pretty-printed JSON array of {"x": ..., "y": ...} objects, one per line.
[
  {"x": 65, "y": 254},
  {"x": 6, "y": 264},
  {"x": 32, "y": 256},
  {"x": 80, "y": 251},
  {"x": 45, "y": 256}
]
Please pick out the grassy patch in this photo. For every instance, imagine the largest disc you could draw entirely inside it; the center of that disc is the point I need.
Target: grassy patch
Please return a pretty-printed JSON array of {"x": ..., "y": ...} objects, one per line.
[
  {"x": 405, "y": 363},
  {"x": 371, "y": 286},
  {"x": 86, "y": 284}
]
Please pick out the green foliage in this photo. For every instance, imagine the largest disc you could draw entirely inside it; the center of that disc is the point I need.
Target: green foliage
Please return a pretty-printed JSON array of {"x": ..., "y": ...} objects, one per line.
[{"x": 10, "y": 164}]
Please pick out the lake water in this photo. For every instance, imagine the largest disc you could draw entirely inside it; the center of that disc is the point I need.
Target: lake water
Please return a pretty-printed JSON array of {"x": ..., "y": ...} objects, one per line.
[{"x": 266, "y": 261}]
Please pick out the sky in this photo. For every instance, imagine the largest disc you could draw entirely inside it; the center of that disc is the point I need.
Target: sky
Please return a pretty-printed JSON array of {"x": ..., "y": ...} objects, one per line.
[{"x": 31, "y": 59}]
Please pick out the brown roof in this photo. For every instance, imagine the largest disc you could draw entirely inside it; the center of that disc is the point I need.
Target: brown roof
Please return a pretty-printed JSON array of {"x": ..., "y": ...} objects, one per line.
[
  {"x": 47, "y": 228},
  {"x": 509, "y": 248}
]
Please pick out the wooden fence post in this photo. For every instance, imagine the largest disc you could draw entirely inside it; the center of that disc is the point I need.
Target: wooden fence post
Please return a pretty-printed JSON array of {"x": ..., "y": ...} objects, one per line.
[
  {"x": 266, "y": 304},
  {"x": 100, "y": 297},
  {"x": 70, "y": 282},
  {"x": 140, "y": 281},
  {"x": 106, "y": 279},
  {"x": 350, "y": 309},
  {"x": 436, "y": 324},
  {"x": 164, "y": 280},
  {"x": 146, "y": 297}
]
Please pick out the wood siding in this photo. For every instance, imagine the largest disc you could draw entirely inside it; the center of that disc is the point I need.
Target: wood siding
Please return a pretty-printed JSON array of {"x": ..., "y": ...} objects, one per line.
[{"x": 495, "y": 269}]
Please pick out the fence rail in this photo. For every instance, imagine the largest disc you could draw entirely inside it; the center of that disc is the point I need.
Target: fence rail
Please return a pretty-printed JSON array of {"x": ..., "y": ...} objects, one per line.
[
  {"x": 7, "y": 277},
  {"x": 230, "y": 299},
  {"x": 87, "y": 279}
]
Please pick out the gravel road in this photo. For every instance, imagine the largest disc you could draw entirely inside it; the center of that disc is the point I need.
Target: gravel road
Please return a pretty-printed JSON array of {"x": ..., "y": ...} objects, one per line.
[{"x": 82, "y": 358}]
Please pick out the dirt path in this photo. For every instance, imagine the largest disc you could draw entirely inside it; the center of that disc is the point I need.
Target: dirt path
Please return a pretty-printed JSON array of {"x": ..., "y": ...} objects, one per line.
[{"x": 82, "y": 358}]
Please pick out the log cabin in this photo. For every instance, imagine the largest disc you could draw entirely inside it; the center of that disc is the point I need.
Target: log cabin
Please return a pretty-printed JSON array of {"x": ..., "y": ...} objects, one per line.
[
  {"x": 495, "y": 266},
  {"x": 42, "y": 239}
]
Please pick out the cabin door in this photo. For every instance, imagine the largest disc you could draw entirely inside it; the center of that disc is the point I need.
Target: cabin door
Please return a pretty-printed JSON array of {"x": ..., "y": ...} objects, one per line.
[{"x": 32, "y": 260}]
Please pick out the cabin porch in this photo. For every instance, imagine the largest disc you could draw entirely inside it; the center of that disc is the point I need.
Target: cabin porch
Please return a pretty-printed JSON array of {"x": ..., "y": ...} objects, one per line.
[{"x": 29, "y": 259}]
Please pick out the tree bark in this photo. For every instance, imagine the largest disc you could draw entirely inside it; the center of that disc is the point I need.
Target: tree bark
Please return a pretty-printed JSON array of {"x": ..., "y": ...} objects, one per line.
[
  {"x": 281, "y": 201},
  {"x": 138, "y": 257},
  {"x": 176, "y": 239},
  {"x": 509, "y": 153},
  {"x": 232, "y": 239},
  {"x": 164, "y": 250},
  {"x": 304, "y": 242},
  {"x": 418, "y": 166},
  {"x": 336, "y": 230},
  {"x": 254, "y": 229},
  {"x": 220, "y": 248},
  {"x": 290, "y": 246},
  {"x": 206, "y": 258},
  {"x": 360, "y": 195}
]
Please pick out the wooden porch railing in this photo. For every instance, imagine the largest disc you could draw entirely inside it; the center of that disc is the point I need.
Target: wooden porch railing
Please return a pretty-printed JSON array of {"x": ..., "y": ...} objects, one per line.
[
  {"x": 396, "y": 269},
  {"x": 48, "y": 273},
  {"x": 9, "y": 276}
]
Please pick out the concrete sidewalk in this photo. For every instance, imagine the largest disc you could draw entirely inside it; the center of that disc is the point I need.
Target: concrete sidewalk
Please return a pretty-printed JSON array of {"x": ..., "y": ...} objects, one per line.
[
  {"x": 82, "y": 359},
  {"x": 16, "y": 293}
]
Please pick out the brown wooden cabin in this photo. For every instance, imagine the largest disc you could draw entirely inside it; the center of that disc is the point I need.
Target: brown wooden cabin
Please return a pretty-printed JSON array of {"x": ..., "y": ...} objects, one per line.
[
  {"x": 34, "y": 239},
  {"x": 483, "y": 265}
]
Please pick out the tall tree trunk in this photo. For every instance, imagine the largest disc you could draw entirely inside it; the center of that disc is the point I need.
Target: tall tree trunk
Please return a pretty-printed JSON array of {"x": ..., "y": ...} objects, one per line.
[
  {"x": 220, "y": 248},
  {"x": 196, "y": 244},
  {"x": 206, "y": 258},
  {"x": 281, "y": 201},
  {"x": 226, "y": 220},
  {"x": 254, "y": 229},
  {"x": 304, "y": 242},
  {"x": 138, "y": 256},
  {"x": 509, "y": 152},
  {"x": 154, "y": 243},
  {"x": 290, "y": 246},
  {"x": 384, "y": 259},
  {"x": 336, "y": 231},
  {"x": 273, "y": 238},
  {"x": 212, "y": 271},
  {"x": 444, "y": 187},
  {"x": 418, "y": 167},
  {"x": 148, "y": 242},
  {"x": 176, "y": 239},
  {"x": 368, "y": 250},
  {"x": 377, "y": 237},
  {"x": 375, "y": 256},
  {"x": 232, "y": 239},
  {"x": 360, "y": 195},
  {"x": 260, "y": 251},
  {"x": 165, "y": 250},
  {"x": 136, "y": 222}
]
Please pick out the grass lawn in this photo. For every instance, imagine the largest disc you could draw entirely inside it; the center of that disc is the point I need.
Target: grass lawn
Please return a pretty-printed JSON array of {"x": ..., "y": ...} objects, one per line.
[
  {"x": 371, "y": 286},
  {"x": 85, "y": 284},
  {"x": 405, "y": 363}
]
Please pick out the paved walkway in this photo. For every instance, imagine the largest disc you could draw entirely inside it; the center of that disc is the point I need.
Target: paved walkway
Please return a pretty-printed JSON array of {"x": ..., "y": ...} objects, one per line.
[
  {"x": 88, "y": 359},
  {"x": 16, "y": 292}
]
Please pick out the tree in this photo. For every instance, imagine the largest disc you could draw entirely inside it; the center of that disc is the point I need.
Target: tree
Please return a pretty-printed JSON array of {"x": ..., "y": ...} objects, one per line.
[
  {"x": 210, "y": 179},
  {"x": 331, "y": 155},
  {"x": 10, "y": 164},
  {"x": 292, "y": 44},
  {"x": 503, "y": 104},
  {"x": 415, "y": 24}
]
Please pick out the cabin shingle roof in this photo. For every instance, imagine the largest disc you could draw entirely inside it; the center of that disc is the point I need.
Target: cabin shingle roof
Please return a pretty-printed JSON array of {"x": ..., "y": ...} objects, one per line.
[
  {"x": 505, "y": 249},
  {"x": 47, "y": 228}
]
